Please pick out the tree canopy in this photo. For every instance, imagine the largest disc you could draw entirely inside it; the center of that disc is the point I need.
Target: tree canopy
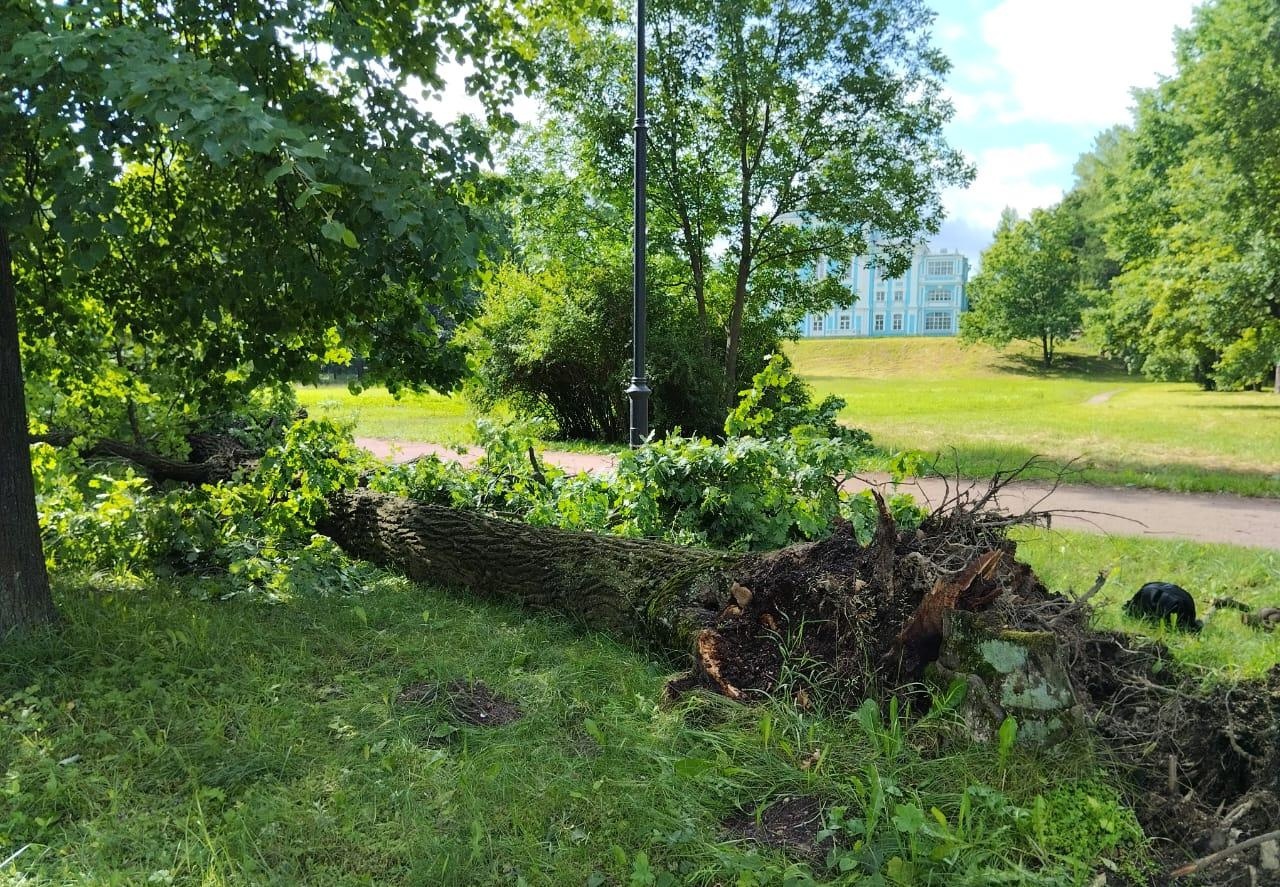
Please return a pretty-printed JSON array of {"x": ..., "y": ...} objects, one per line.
[
  {"x": 1029, "y": 287},
  {"x": 1192, "y": 218},
  {"x": 781, "y": 131},
  {"x": 200, "y": 197}
]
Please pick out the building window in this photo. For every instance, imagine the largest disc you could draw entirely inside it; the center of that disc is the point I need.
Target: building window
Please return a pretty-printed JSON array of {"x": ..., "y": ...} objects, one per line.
[
  {"x": 880, "y": 295},
  {"x": 937, "y": 322},
  {"x": 899, "y": 296},
  {"x": 816, "y": 324},
  {"x": 897, "y": 323},
  {"x": 941, "y": 267},
  {"x": 846, "y": 322},
  {"x": 879, "y": 327},
  {"x": 937, "y": 296}
]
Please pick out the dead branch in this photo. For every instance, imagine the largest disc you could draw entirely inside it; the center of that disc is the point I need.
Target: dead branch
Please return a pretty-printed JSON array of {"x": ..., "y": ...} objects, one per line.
[{"x": 1213, "y": 858}]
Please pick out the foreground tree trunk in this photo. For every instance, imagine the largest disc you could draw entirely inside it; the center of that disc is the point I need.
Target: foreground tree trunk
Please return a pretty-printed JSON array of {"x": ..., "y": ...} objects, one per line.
[
  {"x": 25, "y": 600},
  {"x": 636, "y": 587}
]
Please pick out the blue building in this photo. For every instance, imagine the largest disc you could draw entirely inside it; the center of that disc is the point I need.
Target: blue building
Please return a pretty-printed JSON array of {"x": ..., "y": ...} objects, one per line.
[{"x": 925, "y": 301}]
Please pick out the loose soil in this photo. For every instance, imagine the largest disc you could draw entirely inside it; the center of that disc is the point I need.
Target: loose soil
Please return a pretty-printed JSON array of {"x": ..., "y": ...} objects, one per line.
[
  {"x": 790, "y": 824},
  {"x": 869, "y": 620},
  {"x": 470, "y": 702}
]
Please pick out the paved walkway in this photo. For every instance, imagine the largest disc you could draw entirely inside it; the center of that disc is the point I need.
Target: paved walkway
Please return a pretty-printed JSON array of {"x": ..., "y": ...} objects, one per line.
[{"x": 1204, "y": 517}]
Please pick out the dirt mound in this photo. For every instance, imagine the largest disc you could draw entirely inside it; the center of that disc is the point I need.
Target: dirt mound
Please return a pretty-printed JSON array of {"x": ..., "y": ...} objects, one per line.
[
  {"x": 847, "y": 621},
  {"x": 790, "y": 824}
]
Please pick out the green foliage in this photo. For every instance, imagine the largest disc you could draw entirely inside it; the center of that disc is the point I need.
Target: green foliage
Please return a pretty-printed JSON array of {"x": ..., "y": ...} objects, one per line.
[
  {"x": 1029, "y": 287},
  {"x": 1193, "y": 217},
  {"x": 252, "y": 536},
  {"x": 779, "y": 402},
  {"x": 203, "y": 199},
  {"x": 556, "y": 344},
  {"x": 765, "y": 117},
  {"x": 745, "y": 493}
]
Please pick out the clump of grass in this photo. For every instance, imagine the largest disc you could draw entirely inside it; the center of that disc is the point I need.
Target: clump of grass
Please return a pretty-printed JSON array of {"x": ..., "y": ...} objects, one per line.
[{"x": 155, "y": 738}]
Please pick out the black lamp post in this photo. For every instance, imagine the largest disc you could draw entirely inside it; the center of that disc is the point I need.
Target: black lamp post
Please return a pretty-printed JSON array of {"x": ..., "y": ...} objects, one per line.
[{"x": 638, "y": 391}]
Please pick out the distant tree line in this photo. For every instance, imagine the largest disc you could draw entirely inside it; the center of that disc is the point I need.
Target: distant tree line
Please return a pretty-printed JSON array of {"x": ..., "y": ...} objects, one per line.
[{"x": 1167, "y": 250}]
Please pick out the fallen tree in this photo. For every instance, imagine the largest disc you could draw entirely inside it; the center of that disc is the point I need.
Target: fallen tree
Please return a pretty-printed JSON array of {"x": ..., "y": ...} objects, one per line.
[
  {"x": 835, "y": 602},
  {"x": 213, "y": 458},
  {"x": 949, "y": 601}
]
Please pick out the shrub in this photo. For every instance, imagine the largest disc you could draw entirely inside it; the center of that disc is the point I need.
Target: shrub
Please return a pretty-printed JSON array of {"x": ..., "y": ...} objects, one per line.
[{"x": 556, "y": 344}]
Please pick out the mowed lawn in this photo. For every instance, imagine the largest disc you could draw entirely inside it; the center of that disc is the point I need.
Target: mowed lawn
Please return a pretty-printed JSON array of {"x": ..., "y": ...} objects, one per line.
[
  {"x": 439, "y": 418},
  {"x": 973, "y": 407},
  {"x": 984, "y": 410}
]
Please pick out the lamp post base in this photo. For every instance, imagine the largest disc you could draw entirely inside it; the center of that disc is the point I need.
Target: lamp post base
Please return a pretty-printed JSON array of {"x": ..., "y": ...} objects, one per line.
[{"x": 638, "y": 392}]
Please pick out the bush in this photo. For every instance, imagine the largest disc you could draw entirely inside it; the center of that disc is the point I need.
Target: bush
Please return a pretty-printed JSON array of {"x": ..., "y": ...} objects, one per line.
[
  {"x": 779, "y": 403},
  {"x": 556, "y": 344}
]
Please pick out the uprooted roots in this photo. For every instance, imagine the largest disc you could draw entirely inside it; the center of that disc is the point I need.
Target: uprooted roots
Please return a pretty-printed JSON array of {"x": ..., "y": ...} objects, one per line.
[{"x": 843, "y": 621}]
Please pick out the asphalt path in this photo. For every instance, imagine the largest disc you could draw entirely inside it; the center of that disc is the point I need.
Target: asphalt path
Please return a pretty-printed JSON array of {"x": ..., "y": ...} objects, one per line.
[{"x": 1121, "y": 511}]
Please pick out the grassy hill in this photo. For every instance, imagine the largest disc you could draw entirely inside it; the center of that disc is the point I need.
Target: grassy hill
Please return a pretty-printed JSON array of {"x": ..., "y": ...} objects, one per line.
[{"x": 981, "y": 409}]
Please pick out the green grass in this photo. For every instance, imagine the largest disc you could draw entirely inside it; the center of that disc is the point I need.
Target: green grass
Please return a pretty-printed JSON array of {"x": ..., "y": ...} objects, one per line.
[
  {"x": 1226, "y": 650},
  {"x": 439, "y": 418},
  {"x": 985, "y": 410},
  {"x": 974, "y": 407},
  {"x": 433, "y": 418},
  {"x": 155, "y": 738},
  {"x": 159, "y": 739}
]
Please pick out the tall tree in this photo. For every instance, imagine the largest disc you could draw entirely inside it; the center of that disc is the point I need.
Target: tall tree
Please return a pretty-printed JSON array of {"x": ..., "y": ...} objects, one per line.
[
  {"x": 1029, "y": 287},
  {"x": 1196, "y": 208},
  {"x": 227, "y": 192},
  {"x": 783, "y": 131}
]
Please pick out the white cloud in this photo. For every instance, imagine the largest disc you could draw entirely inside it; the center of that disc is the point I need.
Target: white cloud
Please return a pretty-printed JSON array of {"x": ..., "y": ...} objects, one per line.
[
  {"x": 1076, "y": 63},
  {"x": 1008, "y": 177},
  {"x": 976, "y": 106}
]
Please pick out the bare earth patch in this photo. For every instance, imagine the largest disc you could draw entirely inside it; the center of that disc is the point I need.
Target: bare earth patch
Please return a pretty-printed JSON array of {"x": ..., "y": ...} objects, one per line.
[
  {"x": 790, "y": 824},
  {"x": 1102, "y": 398},
  {"x": 471, "y": 702}
]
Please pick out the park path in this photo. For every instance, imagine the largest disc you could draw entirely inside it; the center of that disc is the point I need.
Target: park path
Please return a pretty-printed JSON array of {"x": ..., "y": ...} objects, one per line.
[{"x": 1121, "y": 511}]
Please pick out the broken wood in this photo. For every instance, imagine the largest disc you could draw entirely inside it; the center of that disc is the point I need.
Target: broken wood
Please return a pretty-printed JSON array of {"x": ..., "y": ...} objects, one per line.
[
  {"x": 214, "y": 457},
  {"x": 1213, "y": 858}
]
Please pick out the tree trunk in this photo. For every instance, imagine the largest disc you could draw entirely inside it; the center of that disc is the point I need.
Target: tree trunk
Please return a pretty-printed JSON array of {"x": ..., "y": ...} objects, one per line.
[
  {"x": 636, "y": 587},
  {"x": 870, "y": 614},
  {"x": 25, "y": 600}
]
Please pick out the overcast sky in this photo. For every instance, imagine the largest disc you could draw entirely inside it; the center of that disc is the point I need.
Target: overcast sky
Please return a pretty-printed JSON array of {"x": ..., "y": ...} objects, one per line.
[{"x": 1033, "y": 82}]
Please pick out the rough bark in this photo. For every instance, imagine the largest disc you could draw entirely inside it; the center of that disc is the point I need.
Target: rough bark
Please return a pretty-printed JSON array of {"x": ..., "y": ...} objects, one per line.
[
  {"x": 25, "y": 600},
  {"x": 640, "y": 588}
]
